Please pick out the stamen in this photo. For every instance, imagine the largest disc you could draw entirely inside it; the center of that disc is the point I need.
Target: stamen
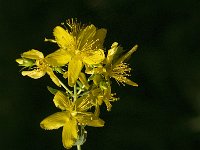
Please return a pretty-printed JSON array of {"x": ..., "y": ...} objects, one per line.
[
  {"x": 120, "y": 72},
  {"x": 74, "y": 26},
  {"x": 85, "y": 103},
  {"x": 88, "y": 45}
]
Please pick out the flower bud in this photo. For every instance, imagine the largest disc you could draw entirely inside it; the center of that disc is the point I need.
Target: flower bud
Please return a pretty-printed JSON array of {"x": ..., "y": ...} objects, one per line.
[{"x": 25, "y": 62}]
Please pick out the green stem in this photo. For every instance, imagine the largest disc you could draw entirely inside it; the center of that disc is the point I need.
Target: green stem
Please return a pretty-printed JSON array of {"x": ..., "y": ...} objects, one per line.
[
  {"x": 81, "y": 89},
  {"x": 78, "y": 147},
  {"x": 75, "y": 92},
  {"x": 67, "y": 90}
]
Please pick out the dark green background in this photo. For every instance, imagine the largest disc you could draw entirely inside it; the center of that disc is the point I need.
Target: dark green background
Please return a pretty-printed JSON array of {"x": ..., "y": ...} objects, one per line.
[{"x": 161, "y": 114}]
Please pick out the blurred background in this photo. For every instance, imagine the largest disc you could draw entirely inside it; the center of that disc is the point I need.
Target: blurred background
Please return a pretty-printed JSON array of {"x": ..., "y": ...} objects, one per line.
[{"x": 163, "y": 113}]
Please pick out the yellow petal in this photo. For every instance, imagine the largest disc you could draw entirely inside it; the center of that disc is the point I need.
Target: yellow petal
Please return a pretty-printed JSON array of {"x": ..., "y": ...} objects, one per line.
[
  {"x": 88, "y": 118},
  {"x": 111, "y": 53},
  {"x": 85, "y": 102},
  {"x": 83, "y": 80},
  {"x": 86, "y": 36},
  {"x": 99, "y": 36},
  {"x": 93, "y": 57},
  {"x": 97, "y": 79},
  {"x": 127, "y": 55},
  {"x": 55, "y": 120},
  {"x": 62, "y": 101},
  {"x": 106, "y": 97},
  {"x": 99, "y": 99},
  {"x": 74, "y": 69},
  {"x": 35, "y": 74},
  {"x": 53, "y": 76},
  {"x": 20, "y": 61},
  {"x": 108, "y": 104},
  {"x": 69, "y": 133},
  {"x": 89, "y": 69},
  {"x": 97, "y": 110},
  {"x": 65, "y": 74},
  {"x": 63, "y": 38},
  {"x": 58, "y": 58},
  {"x": 33, "y": 54},
  {"x": 129, "y": 82}
]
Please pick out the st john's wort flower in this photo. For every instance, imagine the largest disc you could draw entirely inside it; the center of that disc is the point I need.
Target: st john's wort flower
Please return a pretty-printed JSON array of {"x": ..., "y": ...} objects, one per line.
[
  {"x": 81, "y": 45},
  {"x": 114, "y": 66},
  {"x": 73, "y": 114},
  {"x": 38, "y": 65}
]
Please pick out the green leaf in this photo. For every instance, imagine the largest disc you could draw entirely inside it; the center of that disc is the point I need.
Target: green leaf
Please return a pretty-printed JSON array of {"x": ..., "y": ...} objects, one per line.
[{"x": 52, "y": 90}]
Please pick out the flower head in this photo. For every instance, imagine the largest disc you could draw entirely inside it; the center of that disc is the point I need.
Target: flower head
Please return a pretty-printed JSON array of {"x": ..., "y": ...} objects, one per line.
[
  {"x": 81, "y": 45},
  {"x": 114, "y": 66},
  {"x": 81, "y": 60},
  {"x": 73, "y": 114},
  {"x": 38, "y": 65}
]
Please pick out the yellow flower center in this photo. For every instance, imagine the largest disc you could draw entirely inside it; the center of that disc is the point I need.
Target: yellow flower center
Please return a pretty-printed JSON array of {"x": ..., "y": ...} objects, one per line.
[
  {"x": 41, "y": 64},
  {"x": 73, "y": 113}
]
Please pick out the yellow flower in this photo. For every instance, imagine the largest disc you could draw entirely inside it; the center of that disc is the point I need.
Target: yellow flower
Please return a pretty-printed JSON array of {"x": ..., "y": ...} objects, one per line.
[
  {"x": 102, "y": 95},
  {"x": 115, "y": 67},
  {"x": 81, "y": 45},
  {"x": 73, "y": 114},
  {"x": 36, "y": 58}
]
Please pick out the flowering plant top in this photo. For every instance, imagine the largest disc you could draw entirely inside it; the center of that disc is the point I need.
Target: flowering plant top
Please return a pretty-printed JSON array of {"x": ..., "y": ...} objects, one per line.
[{"x": 87, "y": 73}]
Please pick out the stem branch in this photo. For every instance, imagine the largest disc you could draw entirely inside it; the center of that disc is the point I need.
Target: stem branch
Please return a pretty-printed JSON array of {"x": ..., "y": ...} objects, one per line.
[
  {"x": 70, "y": 92},
  {"x": 75, "y": 92},
  {"x": 78, "y": 147}
]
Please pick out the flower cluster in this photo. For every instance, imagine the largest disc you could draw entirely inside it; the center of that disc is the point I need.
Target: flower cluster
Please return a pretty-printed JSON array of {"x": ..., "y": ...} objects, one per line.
[{"x": 87, "y": 72}]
